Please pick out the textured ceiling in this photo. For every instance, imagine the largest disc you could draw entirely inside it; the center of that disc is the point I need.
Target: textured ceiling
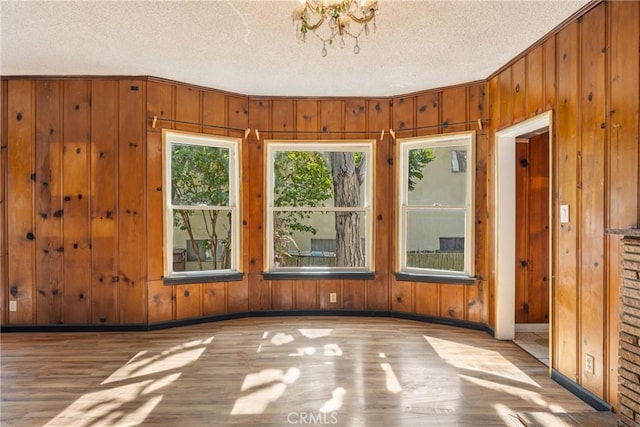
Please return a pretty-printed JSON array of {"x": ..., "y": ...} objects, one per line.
[{"x": 250, "y": 47}]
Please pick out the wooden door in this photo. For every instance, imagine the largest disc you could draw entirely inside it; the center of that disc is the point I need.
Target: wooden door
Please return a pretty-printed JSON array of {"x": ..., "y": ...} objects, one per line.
[{"x": 532, "y": 229}]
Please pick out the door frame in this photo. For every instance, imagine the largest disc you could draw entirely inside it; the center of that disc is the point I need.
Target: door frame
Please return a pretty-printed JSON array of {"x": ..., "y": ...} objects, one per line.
[{"x": 505, "y": 220}]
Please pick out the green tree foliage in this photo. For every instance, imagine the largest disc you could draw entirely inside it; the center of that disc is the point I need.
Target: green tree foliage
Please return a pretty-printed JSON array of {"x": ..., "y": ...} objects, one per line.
[
  {"x": 418, "y": 159},
  {"x": 300, "y": 179},
  {"x": 200, "y": 177},
  {"x": 312, "y": 178}
]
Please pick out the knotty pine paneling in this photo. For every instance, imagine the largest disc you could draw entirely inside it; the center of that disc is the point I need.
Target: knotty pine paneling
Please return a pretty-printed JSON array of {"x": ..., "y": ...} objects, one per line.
[
  {"x": 155, "y": 208},
  {"x": 589, "y": 65},
  {"x": 306, "y": 294},
  {"x": 404, "y": 112},
  {"x": 214, "y": 298},
  {"x": 20, "y": 206},
  {"x": 378, "y": 116},
  {"x": 402, "y": 296},
  {"x": 325, "y": 288},
  {"x": 76, "y": 160},
  {"x": 238, "y": 115},
  {"x": 188, "y": 109},
  {"x": 533, "y": 89},
  {"x": 427, "y": 299},
  {"x": 350, "y": 116},
  {"x": 549, "y": 68},
  {"x": 131, "y": 201},
  {"x": 476, "y": 295},
  {"x": 238, "y": 118},
  {"x": 282, "y": 294},
  {"x": 519, "y": 86},
  {"x": 353, "y": 294},
  {"x": 565, "y": 338},
  {"x": 307, "y": 119},
  {"x": 538, "y": 230},
  {"x": 505, "y": 99},
  {"x": 454, "y": 109},
  {"x": 160, "y": 303},
  {"x": 188, "y": 301},
  {"x": 104, "y": 228},
  {"x": 532, "y": 229},
  {"x": 261, "y": 119},
  {"x": 452, "y": 304},
  {"x": 238, "y": 297},
  {"x": 522, "y": 230},
  {"x": 160, "y": 104},
  {"x": 214, "y": 112},
  {"x": 4, "y": 280},
  {"x": 48, "y": 201},
  {"x": 428, "y": 113},
  {"x": 592, "y": 187}
]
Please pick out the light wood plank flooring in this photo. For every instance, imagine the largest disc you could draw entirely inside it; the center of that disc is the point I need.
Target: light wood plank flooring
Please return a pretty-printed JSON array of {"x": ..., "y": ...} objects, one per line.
[{"x": 342, "y": 371}]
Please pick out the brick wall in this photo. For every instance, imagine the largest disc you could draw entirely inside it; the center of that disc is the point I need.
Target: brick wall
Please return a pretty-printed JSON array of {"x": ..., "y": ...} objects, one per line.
[{"x": 629, "y": 352}]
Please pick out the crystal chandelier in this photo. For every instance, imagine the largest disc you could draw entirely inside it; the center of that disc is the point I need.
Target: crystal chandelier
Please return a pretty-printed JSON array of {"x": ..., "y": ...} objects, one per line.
[{"x": 342, "y": 17}]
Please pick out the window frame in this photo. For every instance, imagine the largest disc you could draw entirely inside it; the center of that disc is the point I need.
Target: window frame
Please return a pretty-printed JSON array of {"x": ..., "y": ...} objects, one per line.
[
  {"x": 366, "y": 146},
  {"x": 234, "y": 145},
  {"x": 404, "y": 145}
]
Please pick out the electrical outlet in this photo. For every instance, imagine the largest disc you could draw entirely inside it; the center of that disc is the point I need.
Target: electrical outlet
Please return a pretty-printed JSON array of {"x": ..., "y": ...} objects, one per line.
[
  {"x": 13, "y": 306},
  {"x": 333, "y": 297},
  {"x": 589, "y": 363}
]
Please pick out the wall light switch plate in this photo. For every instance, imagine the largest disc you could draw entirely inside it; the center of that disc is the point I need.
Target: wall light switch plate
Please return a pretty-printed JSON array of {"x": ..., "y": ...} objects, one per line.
[
  {"x": 564, "y": 214},
  {"x": 333, "y": 297},
  {"x": 13, "y": 306}
]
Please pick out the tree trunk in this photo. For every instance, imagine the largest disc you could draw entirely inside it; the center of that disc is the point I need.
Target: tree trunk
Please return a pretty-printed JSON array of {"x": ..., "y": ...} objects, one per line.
[{"x": 346, "y": 186}]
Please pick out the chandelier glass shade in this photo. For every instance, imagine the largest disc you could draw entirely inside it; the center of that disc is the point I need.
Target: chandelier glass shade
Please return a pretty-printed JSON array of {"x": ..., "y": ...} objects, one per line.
[{"x": 333, "y": 20}]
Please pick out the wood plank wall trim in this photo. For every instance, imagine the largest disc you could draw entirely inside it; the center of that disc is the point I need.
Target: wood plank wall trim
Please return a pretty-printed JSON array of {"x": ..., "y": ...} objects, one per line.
[{"x": 4, "y": 251}]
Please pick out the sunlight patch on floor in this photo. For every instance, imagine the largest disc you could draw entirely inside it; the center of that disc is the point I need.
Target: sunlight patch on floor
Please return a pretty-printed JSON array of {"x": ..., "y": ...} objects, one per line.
[
  {"x": 315, "y": 333},
  {"x": 102, "y": 407},
  {"x": 174, "y": 358},
  {"x": 520, "y": 393},
  {"x": 478, "y": 359},
  {"x": 269, "y": 385},
  {"x": 335, "y": 403}
]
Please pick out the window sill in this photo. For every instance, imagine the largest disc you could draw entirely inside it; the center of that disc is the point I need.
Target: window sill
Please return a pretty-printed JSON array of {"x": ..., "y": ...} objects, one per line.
[
  {"x": 299, "y": 275},
  {"x": 202, "y": 278},
  {"x": 432, "y": 278}
]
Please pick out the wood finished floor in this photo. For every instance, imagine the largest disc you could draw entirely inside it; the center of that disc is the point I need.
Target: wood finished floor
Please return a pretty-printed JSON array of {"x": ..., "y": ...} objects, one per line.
[{"x": 341, "y": 371}]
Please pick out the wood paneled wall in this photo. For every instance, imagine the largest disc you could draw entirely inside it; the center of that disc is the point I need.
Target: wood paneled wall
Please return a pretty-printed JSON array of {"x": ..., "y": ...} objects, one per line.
[
  {"x": 452, "y": 109},
  {"x": 322, "y": 119},
  {"x": 191, "y": 109},
  {"x": 84, "y": 207},
  {"x": 81, "y": 190},
  {"x": 588, "y": 73},
  {"x": 74, "y": 157}
]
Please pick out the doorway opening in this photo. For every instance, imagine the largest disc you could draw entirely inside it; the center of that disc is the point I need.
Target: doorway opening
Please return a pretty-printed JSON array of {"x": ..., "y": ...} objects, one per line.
[
  {"x": 532, "y": 244},
  {"x": 516, "y": 268}
]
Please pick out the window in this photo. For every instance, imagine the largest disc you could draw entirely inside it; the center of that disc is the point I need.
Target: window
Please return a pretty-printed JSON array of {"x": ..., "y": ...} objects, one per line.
[
  {"x": 435, "y": 197},
  {"x": 201, "y": 181},
  {"x": 319, "y": 214}
]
